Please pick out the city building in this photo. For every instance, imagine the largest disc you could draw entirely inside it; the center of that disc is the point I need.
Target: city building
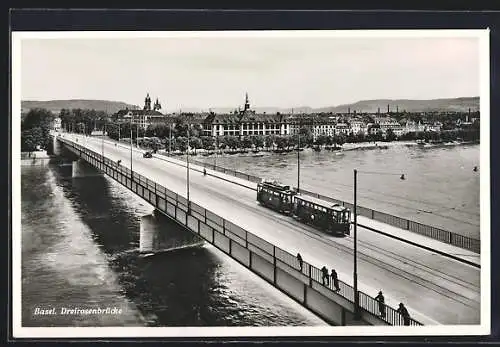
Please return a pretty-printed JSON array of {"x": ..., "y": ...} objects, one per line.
[
  {"x": 245, "y": 123},
  {"x": 145, "y": 117},
  {"x": 358, "y": 127}
]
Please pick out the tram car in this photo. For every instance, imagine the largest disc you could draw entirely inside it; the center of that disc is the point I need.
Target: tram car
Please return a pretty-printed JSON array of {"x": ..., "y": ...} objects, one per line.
[
  {"x": 332, "y": 219},
  {"x": 276, "y": 196}
]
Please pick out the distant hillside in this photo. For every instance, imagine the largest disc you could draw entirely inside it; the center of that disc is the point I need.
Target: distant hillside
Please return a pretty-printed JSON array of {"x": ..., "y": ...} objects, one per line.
[
  {"x": 455, "y": 104},
  {"x": 56, "y": 105}
]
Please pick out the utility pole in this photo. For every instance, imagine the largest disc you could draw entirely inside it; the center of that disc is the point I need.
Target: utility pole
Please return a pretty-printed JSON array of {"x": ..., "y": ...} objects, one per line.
[
  {"x": 187, "y": 159},
  {"x": 131, "y": 144},
  {"x": 355, "y": 270},
  {"x": 298, "y": 162}
]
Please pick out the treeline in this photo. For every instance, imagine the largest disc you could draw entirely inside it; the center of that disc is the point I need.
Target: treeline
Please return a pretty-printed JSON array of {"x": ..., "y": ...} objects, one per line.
[
  {"x": 35, "y": 130},
  {"x": 82, "y": 121},
  {"x": 174, "y": 136}
]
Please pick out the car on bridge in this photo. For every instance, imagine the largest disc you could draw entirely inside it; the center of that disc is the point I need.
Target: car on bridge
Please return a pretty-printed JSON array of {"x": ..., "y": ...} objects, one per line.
[{"x": 147, "y": 155}]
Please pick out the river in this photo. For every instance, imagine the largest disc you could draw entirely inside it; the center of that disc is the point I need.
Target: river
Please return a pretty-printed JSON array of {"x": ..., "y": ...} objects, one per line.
[
  {"x": 440, "y": 187},
  {"x": 81, "y": 250}
]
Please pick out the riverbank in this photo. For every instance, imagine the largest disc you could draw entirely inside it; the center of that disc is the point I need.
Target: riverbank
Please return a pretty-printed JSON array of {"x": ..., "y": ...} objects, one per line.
[{"x": 35, "y": 158}]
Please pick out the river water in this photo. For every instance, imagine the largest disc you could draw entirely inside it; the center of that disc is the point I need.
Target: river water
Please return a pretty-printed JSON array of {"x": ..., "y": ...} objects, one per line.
[
  {"x": 81, "y": 238},
  {"x": 440, "y": 187},
  {"x": 81, "y": 248}
]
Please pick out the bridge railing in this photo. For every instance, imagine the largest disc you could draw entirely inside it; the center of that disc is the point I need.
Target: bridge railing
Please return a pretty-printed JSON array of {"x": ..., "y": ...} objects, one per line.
[
  {"x": 446, "y": 236},
  {"x": 235, "y": 173},
  {"x": 255, "y": 243}
]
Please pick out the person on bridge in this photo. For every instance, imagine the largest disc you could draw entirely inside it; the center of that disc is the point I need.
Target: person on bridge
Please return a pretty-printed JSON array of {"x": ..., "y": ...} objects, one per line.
[
  {"x": 381, "y": 304},
  {"x": 335, "y": 280},
  {"x": 299, "y": 259},
  {"x": 119, "y": 161},
  {"x": 325, "y": 277},
  {"x": 404, "y": 312},
  {"x": 204, "y": 171}
]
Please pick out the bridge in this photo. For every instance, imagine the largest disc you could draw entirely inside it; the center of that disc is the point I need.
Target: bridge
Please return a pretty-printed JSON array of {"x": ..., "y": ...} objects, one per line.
[{"x": 438, "y": 282}]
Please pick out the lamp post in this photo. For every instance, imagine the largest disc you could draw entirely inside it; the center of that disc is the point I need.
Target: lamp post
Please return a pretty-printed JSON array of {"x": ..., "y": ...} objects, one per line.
[
  {"x": 187, "y": 159},
  {"x": 298, "y": 162},
  {"x": 137, "y": 135},
  {"x": 102, "y": 137},
  {"x": 170, "y": 139},
  {"x": 355, "y": 265},
  {"x": 131, "y": 144},
  {"x": 119, "y": 132}
]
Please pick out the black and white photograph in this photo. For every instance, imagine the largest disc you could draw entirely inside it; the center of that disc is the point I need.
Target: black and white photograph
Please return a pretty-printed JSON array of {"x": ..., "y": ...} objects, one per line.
[{"x": 250, "y": 183}]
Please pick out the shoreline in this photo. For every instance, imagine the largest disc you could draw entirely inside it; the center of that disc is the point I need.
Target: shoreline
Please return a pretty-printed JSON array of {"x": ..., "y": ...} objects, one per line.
[{"x": 346, "y": 147}]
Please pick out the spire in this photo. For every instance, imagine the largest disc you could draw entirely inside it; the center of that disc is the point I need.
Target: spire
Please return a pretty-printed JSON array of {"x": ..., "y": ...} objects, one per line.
[
  {"x": 247, "y": 103},
  {"x": 147, "y": 103}
]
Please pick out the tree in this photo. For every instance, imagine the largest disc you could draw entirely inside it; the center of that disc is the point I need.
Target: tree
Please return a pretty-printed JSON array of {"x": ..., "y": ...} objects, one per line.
[
  {"x": 31, "y": 139},
  {"x": 246, "y": 142},
  {"x": 390, "y": 136},
  {"x": 195, "y": 142},
  {"x": 207, "y": 143},
  {"x": 36, "y": 127},
  {"x": 258, "y": 141},
  {"x": 181, "y": 143}
]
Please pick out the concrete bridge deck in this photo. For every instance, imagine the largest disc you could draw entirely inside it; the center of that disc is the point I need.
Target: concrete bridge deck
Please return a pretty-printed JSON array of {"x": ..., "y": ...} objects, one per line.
[{"x": 435, "y": 289}]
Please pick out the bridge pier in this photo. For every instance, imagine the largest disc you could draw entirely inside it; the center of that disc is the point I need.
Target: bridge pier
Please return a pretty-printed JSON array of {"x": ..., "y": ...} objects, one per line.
[
  {"x": 159, "y": 233},
  {"x": 80, "y": 168}
]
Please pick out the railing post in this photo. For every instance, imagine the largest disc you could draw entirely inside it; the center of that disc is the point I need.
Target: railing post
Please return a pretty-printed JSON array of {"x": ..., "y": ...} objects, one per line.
[
  {"x": 274, "y": 264},
  {"x": 407, "y": 224},
  {"x": 246, "y": 239},
  {"x": 310, "y": 278},
  {"x": 230, "y": 246}
]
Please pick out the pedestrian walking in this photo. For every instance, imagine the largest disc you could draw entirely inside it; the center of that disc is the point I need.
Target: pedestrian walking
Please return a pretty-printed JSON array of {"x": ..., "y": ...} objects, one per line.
[
  {"x": 404, "y": 313},
  {"x": 299, "y": 259},
  {"x": 335, "y": 280},
  {"x": 381, "y": 304},
  {"x": 325, "y": 277}
]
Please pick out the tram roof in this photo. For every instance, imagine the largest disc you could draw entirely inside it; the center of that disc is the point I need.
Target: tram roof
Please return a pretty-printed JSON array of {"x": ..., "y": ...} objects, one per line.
[{"x": 327, "y": 204}]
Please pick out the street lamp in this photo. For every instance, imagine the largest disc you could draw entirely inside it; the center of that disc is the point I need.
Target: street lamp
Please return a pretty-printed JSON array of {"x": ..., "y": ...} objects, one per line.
[
  {"x": 187, "y": 159},
  {"x": 170, "y": 139},
  {"x": 103, "y": 132},
  {"x": 298, "y": 161},
  {"x": 131, "y": 143},
  {"x": 355, "y": 266}
]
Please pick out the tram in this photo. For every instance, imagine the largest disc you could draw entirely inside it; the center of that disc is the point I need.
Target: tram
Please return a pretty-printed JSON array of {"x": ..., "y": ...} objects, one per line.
[
  {"x": 276, "y": 196},
  {"x": 332, "y": 219}
]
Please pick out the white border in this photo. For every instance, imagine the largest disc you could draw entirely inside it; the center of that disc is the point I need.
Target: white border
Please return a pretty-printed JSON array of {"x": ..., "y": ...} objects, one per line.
[{"x": 482, "y": 329}]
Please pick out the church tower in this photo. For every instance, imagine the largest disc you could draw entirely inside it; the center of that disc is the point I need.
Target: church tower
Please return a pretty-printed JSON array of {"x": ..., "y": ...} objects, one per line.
[
  {"x": 147, "y": 103},
  {"x": 247, "y": 103},
  {"x": 157, "y": 105}
]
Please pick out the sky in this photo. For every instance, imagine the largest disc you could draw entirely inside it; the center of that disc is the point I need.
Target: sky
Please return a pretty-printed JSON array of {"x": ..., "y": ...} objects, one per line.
[{"x": 205, "y": 72}]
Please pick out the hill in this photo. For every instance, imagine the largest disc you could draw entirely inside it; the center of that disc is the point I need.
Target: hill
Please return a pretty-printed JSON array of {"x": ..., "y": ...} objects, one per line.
[
  {"x": 56, "y": 105},
  {"x": 443, "y": 105}
]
